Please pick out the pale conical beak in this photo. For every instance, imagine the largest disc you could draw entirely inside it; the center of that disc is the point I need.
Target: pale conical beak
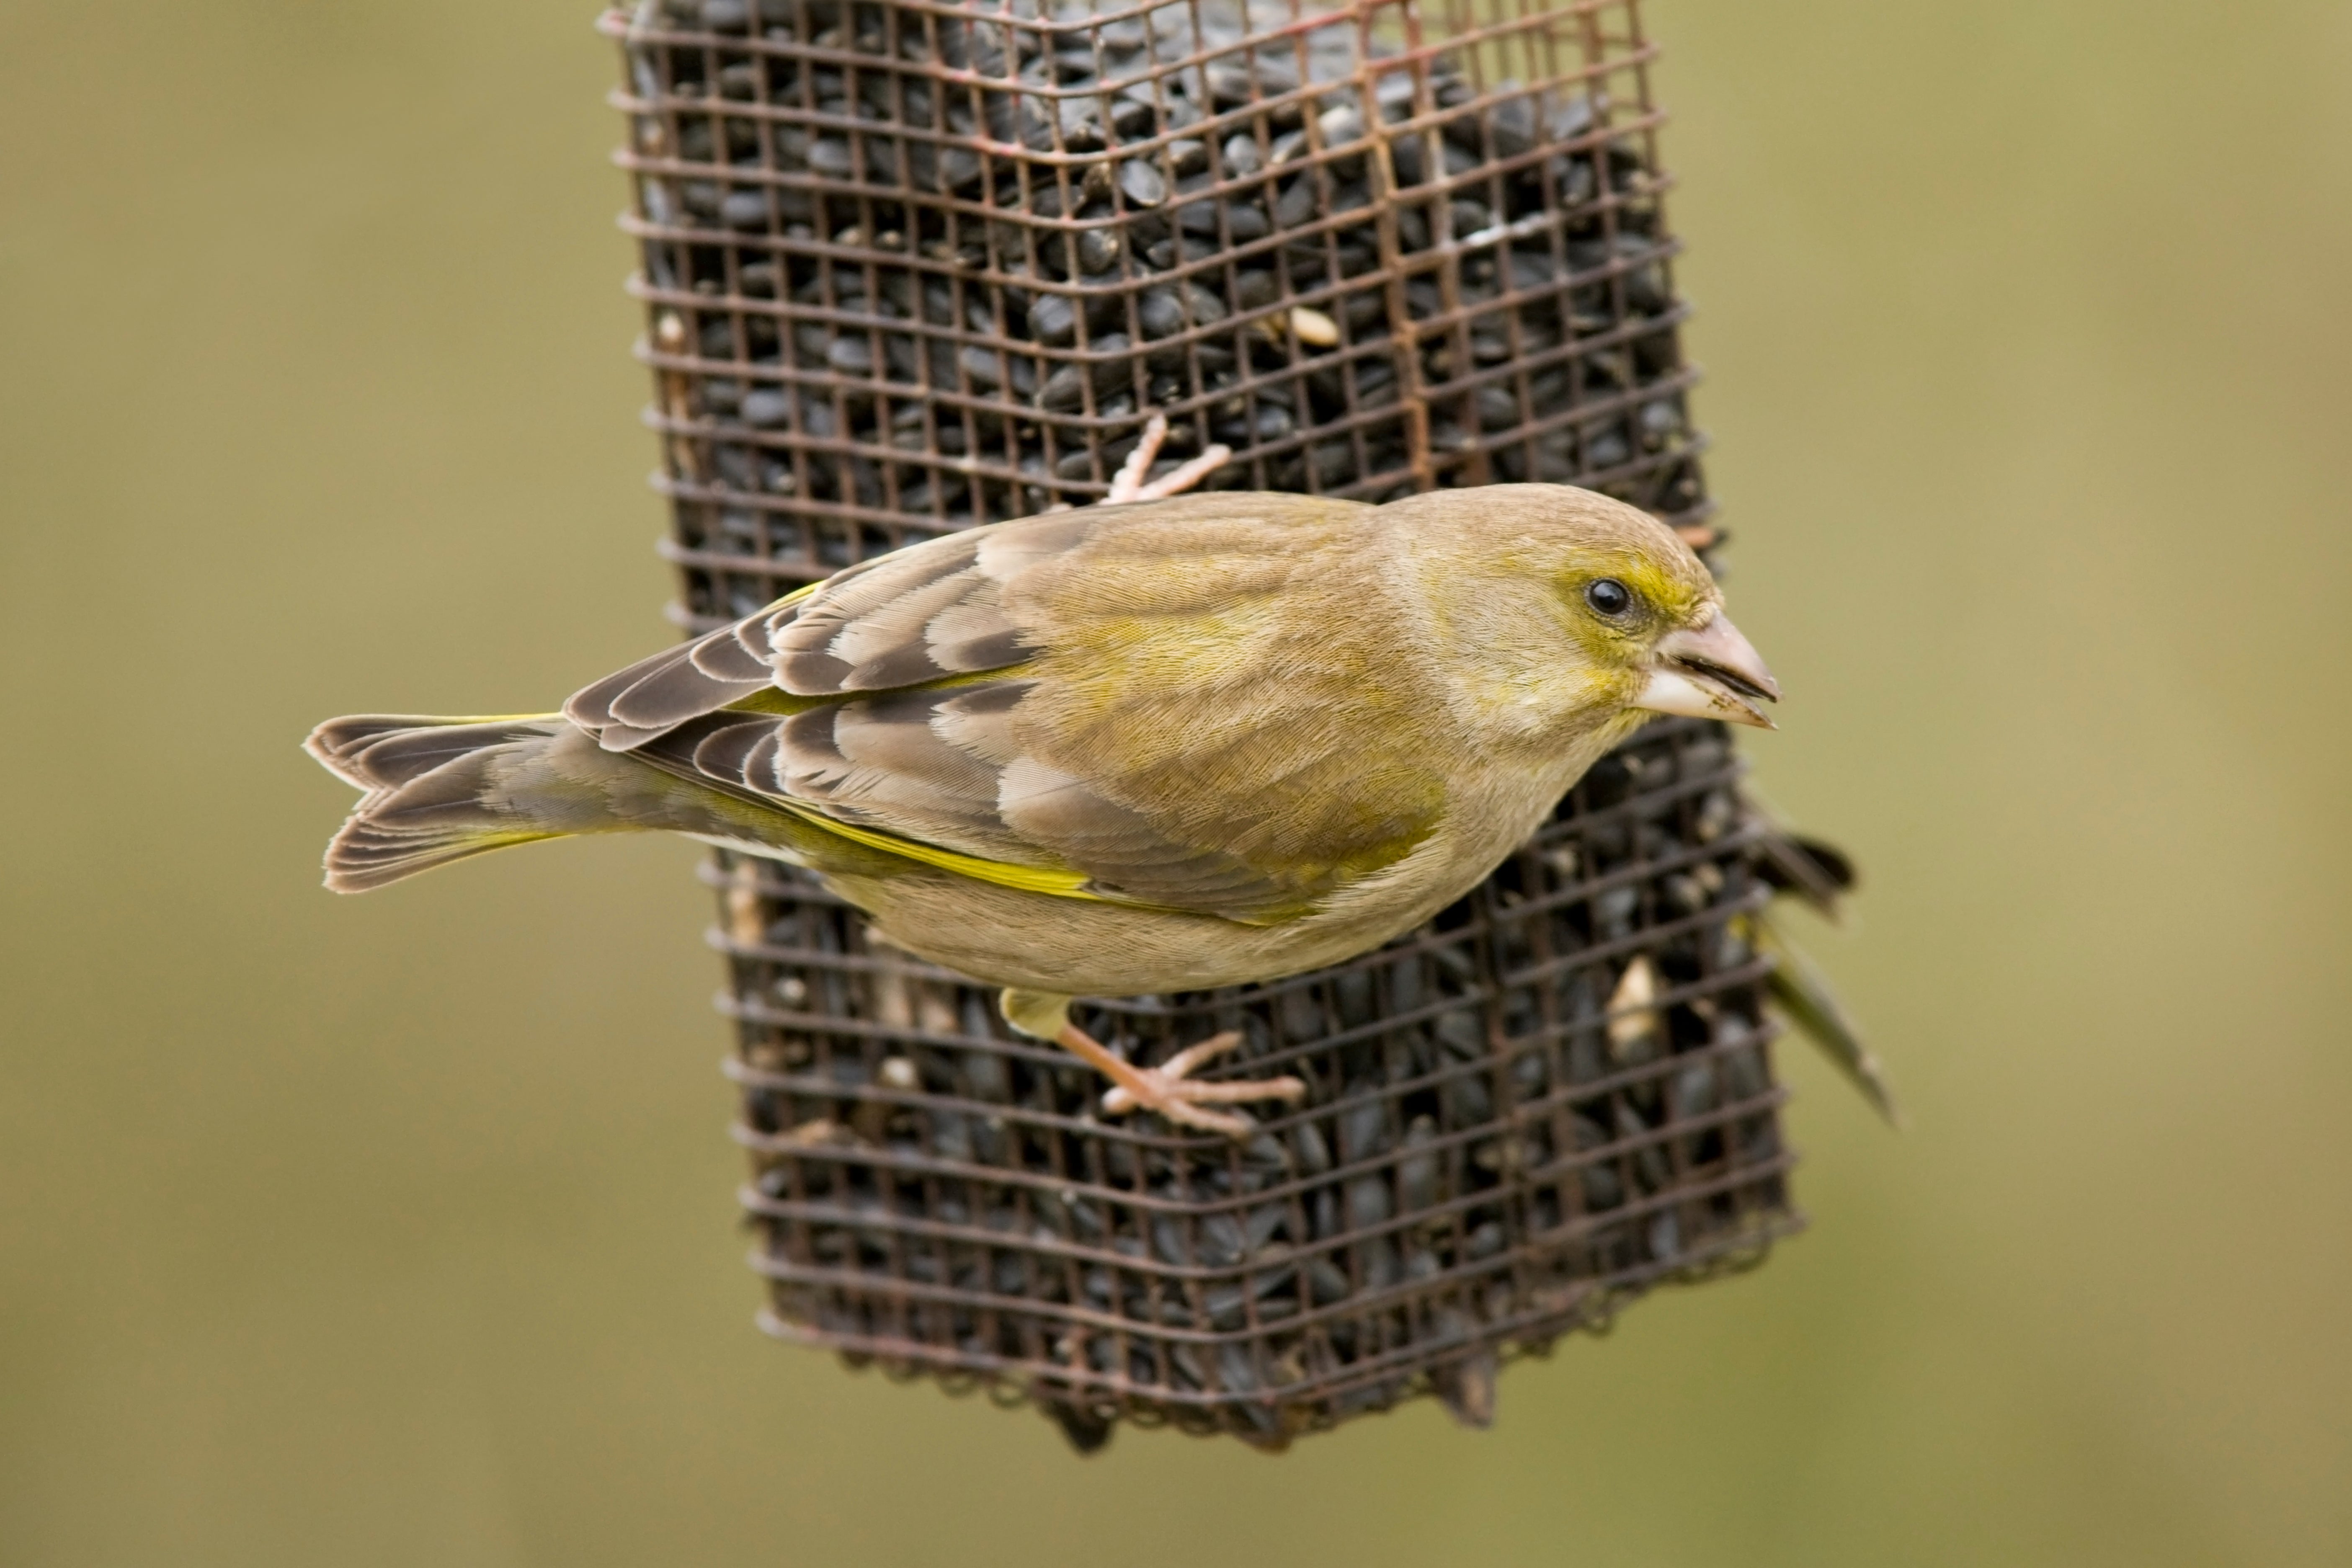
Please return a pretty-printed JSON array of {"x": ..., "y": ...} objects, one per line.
[{"x": 1710, "y": 672}]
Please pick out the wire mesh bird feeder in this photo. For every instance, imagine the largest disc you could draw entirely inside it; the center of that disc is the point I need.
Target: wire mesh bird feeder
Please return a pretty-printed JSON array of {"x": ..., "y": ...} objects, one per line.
[{"x": 918, "y": 265}]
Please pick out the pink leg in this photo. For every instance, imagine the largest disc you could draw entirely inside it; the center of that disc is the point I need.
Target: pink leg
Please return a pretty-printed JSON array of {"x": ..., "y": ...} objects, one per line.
[
  {"x": 1169, "y": 1089},
  {"x": 1128, "y": 485}
]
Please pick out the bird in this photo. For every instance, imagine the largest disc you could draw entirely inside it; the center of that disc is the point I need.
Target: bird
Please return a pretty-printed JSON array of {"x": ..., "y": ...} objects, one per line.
[{"x": 1166, "y": 744}]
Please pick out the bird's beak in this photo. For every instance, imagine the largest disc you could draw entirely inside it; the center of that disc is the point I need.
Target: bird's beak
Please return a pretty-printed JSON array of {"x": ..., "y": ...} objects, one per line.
[{"x": 1709, "y": 671}]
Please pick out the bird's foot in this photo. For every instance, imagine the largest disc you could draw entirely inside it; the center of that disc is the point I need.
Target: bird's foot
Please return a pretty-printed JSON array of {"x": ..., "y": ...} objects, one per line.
[
  {"x": 1127, "y": 484},
  {"x": 1169, "y": 1090}
]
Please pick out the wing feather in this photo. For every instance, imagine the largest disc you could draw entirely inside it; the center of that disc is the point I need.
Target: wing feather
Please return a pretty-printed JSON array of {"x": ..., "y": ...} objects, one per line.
[
  {"x": 724, "y": 656},
  {"x": 678, "y": 689},
  {"x": 632, "y": 705},
  {"x": 731, "y": 753}
]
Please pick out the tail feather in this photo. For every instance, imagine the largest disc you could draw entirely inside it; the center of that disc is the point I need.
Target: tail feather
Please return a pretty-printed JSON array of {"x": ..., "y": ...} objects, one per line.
[
  {"x": 434, "y": 794},
  {"x": 384, "y": 751},
  {"x": 366, "y": 855}
]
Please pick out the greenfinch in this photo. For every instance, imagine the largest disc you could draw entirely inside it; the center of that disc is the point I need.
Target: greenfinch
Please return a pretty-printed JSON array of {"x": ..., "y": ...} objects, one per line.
[{"x": 1132, "y": 749}]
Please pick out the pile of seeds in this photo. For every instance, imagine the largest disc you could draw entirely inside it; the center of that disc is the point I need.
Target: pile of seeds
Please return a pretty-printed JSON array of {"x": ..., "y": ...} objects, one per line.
[{"x": 918, "y": 265}]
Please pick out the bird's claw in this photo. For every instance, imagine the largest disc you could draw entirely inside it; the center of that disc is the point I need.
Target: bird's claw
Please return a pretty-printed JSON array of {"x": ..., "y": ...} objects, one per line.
[
  {"x": 1170, "y": 1090},
  {"x": 1127, "y": 484}
]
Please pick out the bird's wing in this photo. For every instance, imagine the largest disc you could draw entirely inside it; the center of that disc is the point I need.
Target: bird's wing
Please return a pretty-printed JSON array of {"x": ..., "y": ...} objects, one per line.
[
  {"x": 955, "y": 699},
  {"x": 916, "y": 614}
]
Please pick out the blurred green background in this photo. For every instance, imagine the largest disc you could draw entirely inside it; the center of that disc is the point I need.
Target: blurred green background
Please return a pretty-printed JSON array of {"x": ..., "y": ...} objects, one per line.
[{"x": 401, "y": 1230}]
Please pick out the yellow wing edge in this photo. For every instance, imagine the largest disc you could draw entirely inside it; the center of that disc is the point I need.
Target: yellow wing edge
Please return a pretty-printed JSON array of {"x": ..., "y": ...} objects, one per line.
[{"x": 1004, "y": 874}]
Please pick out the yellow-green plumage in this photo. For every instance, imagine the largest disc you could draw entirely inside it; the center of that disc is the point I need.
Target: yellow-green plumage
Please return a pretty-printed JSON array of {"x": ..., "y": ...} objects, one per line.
[{"x": 1130, "y": 749}]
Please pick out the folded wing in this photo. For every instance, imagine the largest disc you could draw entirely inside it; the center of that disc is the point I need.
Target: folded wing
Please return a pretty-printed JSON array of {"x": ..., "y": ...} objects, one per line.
[{"x": 918, "y": 698}]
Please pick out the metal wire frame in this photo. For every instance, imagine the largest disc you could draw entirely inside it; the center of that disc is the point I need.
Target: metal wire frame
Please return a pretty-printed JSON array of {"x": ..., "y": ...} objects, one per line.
[{"x": 898, "y": 281}]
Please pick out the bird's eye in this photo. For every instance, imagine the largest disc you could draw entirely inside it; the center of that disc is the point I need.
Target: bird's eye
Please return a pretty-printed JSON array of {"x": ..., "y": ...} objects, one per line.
[{"x": 1608, "y": 596}]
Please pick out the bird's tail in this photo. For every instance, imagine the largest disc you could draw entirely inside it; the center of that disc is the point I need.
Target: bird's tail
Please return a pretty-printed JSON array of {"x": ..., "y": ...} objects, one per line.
[{"x": 439, "y": 790}]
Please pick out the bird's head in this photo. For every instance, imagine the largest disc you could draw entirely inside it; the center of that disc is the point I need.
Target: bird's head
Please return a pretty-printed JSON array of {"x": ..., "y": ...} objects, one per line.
[{"x": 1550, "y": 608}]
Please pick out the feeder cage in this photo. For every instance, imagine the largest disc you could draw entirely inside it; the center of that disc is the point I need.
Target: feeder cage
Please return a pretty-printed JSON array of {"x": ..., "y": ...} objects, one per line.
[{"x": 914, "y": 266}]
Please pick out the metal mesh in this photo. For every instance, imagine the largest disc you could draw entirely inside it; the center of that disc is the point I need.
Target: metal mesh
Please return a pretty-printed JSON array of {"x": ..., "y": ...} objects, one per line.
[{"x": 911, "y": 267}]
